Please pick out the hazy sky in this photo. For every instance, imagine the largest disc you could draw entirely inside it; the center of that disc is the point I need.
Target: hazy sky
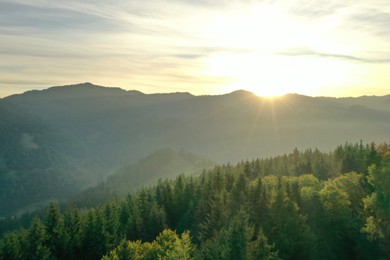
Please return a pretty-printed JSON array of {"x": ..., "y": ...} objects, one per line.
[{"x": 332, "y": 48}]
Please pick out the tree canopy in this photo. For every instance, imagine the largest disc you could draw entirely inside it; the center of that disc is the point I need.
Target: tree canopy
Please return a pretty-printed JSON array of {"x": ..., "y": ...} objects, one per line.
[{"x": 305, "y": 205}]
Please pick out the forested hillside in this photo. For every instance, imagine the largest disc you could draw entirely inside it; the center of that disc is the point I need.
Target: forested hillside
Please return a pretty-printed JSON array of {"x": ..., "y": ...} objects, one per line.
[
  {"x": 162, "y": 164},
  {"x": 89, "y": 132},
  {"x": 302, "y": 205},
  {"x": 35, "y": 162}
]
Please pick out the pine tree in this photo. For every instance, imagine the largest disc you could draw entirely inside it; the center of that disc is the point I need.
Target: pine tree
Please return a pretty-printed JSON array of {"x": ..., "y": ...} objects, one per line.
[
  {"x": 261, "y": 249},
  {"x": 73, "y": 227},
  {"x": 238, "y": 236},
  {"x": 57, "y": 237},
  {"x": 11, "y": 246},
  {"x": 36, "y": 242}
]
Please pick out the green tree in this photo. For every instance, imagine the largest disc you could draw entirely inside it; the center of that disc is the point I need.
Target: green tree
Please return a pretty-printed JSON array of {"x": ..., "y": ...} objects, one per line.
[
  {"x": 238, "y": 236},
  {"x": 167, "y": 245},
  {"x": 93, "y": 237},
  {"x": 287, "y": 227},
  {"x": 217, "y": 216},
  {"x": 261, "y": 249},
  {"x": 171, "y": 246},
  {"x": 154, "y": 222},
  {"x": 11, "y": 246},
  {"x": 36, "y": 242},
  {"x": 57, "y": 237},
  {"x": 342, "y": 220},
  {"x": 74, "y": 227},
  {"x": 377, "y": 204},
  {"x": 111, "y": 224}
]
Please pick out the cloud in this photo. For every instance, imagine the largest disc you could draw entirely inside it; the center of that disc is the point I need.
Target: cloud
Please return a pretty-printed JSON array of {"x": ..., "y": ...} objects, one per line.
[
  {"x": 373, "y": 21},
  {"x": 309, "y": 52},
  {"x": 48, "y": 19},
  {"x": 366, "y": 17},
  {"x": 29, "y": 82},
  {"x": 187, "y": 56},
  {"x": 315, "y": 9}
]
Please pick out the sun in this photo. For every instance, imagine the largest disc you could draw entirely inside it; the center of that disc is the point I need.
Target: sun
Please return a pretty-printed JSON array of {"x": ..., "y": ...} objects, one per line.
[
  {"x": 254, "y": 54},
  {"x": 250, "y": 71},
  {"x": 272, "y": 75},
  {"x": 249, "y": 59}
]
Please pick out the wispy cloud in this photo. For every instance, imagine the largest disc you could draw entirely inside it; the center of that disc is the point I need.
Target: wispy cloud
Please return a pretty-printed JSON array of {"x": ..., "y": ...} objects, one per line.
[
  {"x": 373, "y": 21},
  {"x": 317, "y": 9},
  {"x": 49, "y": 18},
  {"x": 309, "y": 52}
]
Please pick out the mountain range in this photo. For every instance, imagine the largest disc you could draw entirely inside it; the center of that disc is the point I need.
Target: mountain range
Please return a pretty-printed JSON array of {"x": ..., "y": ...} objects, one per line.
[{"x": 57, "y": 142}]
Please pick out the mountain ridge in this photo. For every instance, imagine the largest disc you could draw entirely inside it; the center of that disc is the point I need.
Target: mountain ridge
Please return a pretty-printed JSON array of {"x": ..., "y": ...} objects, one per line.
[
  {"x": 132, "y": 112},
  {"x": 108, "y": 128},
  {"x": 234, "y": 92}
]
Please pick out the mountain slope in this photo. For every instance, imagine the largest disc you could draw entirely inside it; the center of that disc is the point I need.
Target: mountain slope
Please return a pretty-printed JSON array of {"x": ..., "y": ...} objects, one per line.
[
  {"x": 119, "y": 125},
  {"x": 34, "y": 162},
  {"x": 278, "y": 208},
  {"x": 162, "y": 164},
  {"x": 102, "y": 129}
]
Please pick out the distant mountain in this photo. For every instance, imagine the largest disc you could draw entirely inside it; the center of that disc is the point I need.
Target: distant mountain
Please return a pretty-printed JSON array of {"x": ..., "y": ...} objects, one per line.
[
  {"x": 162, "y": 164},
  {"x": 373, "y": 102},
  {"x": 119, "y": 125},
  {"x": 107, "y": 128}
]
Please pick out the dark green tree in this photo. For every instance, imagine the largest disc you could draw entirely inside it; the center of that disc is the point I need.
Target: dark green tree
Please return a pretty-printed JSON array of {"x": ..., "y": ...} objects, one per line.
[
  {"x": 261, "y": 249},
  {"x": 57, "y": 237},
  {"x": 11, "y": 246},
  {"x": 377, "y": 205},
  {"x": 73, "y": 225},
  {"x": 238, "y": 236},
  {"x": 36, "y": 243}
]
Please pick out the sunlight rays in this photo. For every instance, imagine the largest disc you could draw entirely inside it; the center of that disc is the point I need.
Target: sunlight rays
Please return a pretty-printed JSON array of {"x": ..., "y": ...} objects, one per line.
[{"x": 264, "y": 121}]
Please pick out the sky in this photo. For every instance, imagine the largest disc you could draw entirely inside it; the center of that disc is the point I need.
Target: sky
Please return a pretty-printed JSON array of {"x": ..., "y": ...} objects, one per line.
[{"x": 310, "y": 47}]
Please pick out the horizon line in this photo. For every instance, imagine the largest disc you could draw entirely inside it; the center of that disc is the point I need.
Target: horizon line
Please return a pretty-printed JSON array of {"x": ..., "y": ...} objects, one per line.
[{"x": 185, "y": 92}]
